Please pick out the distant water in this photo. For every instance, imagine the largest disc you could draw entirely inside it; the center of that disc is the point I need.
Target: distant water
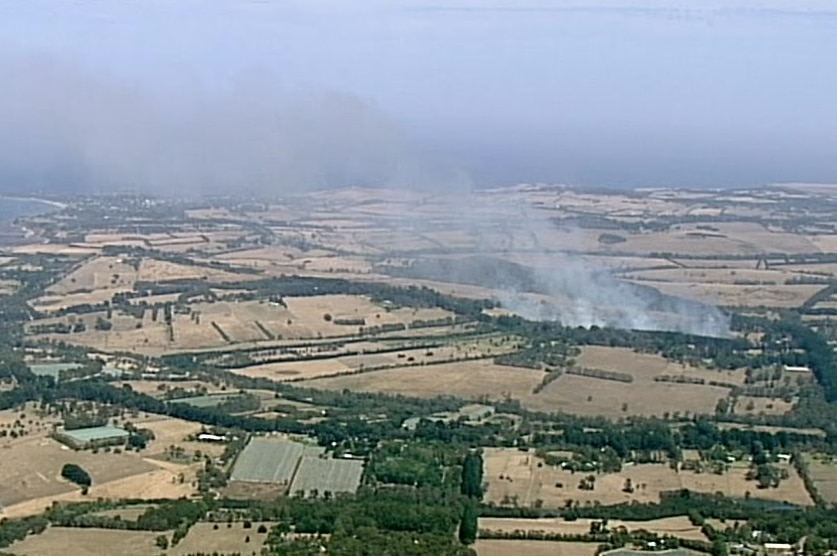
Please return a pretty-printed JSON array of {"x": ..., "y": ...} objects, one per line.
[
  {"x": 10, "y": 209},
  {"x": 15, "y": 208}
]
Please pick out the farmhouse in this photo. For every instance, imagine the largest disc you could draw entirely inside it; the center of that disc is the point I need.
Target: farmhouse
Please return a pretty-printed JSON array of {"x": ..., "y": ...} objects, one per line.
[
  {"x": 92, "y": 437},
  {"x": 797, "y": 369}
]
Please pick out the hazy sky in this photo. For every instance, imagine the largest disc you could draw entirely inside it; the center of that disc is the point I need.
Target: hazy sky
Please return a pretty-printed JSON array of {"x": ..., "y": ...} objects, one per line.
[{"x": 603, "y": 92}]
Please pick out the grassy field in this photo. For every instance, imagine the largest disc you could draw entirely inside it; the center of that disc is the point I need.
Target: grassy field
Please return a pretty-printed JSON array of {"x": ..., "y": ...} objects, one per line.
[
  {"x": 679, "y": 527},
  {"x": 823, "y": 472},
  {"x": 526, "y": 481}
]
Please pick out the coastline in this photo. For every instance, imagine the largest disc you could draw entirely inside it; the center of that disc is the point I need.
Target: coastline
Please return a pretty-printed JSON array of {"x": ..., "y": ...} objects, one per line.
[{"x": 56, "y": 204}]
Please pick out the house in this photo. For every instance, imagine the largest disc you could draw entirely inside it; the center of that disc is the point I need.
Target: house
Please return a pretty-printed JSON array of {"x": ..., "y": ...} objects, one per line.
[{"x": 777, "y": 549}]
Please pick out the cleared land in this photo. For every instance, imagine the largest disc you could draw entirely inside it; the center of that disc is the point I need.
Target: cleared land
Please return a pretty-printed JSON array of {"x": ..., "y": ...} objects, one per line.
[
  {"x": 487, "y": 547},
  {"x": 525, "y": 478},
  {"x": 570, "y": 393},
  {"x": 823, "y": 472},
  {"x": 55, "y": 541},
  {"x": 202, "y": 538}
]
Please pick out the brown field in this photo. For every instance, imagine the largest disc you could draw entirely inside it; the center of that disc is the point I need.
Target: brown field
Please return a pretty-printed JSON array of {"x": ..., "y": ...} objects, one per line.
[
  {"x": 488, "y": 547},
  {"x": 152, "y": 387},
  {"x": 645, "y": 366},
  {"x": 87, "y": 542},
  {"x": 169, "y": 431},
  {"x": 30, "y": 475},
  {"x": 762, "y": 406},
  {"x": 153, "y": 270},
  {"x": 131, "y": 513},
  {"x": 525, "y": 479},
  {"x": 823, "y": 472},
  {"x": 304, "y": 370},
  {"x": 770, "y": 429},
  {"x": 203, "y": 538},
  {"x": 679, "y": 527},
  {"x": 712, "y": 276},
  {"x": 98, "y": 273},
  {"x": 572, "y": 394},
  {"x": 304, "y": 319},
  {"x": 741, "y": 296}
]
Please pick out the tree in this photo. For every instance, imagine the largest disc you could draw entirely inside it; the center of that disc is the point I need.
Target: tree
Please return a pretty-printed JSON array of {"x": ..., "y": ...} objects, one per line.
[
  {"x": 162, "y": 542},
  {"x": 472, "y": 475},
  {"x": 468, "y": 525},
  {"x": 76, "y": 474}
]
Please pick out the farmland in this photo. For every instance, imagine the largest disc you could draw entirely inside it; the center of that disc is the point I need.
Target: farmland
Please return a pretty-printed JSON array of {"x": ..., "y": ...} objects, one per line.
[
  {"x": 574, "y": 394},
  {"x": 268, "y": 461},
  {"x": 516, "y": 477},
  {"x": 318, "y": 475},
  {"x": 328, "y": 340},
  {"x": 86, "y": 542},
  {"x": 823, "y": 472},
  {"x": 32, "y": 463},
  {"x": 487, "y": 547}
]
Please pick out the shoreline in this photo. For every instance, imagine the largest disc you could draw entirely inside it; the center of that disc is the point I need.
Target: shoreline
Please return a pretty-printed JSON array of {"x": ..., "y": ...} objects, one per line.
[{"x": 56, "y": 204}]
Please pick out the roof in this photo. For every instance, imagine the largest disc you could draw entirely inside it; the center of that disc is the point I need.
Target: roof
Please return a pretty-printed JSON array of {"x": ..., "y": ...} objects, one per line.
[
  {"x": 777, "y": 546},
  {"x": 476, "y": 409},
  {"x": 51, "y": 369},
  {"x": 95, "y": 433}
]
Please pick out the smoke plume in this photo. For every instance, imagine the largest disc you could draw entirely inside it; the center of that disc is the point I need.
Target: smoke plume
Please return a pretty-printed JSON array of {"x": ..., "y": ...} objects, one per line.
[{"x": 63, "y": 129}]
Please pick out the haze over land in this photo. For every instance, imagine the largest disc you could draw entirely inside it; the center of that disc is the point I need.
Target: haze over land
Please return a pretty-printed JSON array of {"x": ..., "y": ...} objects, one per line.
[{"x": 277, "y": 96}]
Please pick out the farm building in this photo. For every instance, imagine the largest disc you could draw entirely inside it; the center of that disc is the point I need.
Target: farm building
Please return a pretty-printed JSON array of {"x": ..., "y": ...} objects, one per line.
[
  {"x": 411, "y": 423},
  {"x": 92, "y": 437},
  {"x": 476, "y": 412},
  {"x": 52, "y": 369}
]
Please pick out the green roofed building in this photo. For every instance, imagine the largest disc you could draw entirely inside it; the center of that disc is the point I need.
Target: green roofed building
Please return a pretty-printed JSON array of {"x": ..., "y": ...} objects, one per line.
[{"x": 92, "y": 437}]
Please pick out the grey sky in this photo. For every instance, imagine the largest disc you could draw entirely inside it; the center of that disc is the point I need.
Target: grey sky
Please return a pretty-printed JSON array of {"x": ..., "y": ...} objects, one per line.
[{"x": 607, "y": 92}]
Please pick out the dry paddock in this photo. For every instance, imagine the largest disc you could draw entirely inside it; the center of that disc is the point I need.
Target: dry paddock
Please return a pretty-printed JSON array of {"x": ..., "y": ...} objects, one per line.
[
  {"x": 487, "y": 547},
  {"x": 526, "y": 478},
  {"x": 571, "y": 394}
]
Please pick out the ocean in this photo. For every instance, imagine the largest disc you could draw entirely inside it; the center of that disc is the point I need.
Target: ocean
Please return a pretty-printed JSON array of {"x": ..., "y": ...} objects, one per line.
[{"x": 10, "y": 209}]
